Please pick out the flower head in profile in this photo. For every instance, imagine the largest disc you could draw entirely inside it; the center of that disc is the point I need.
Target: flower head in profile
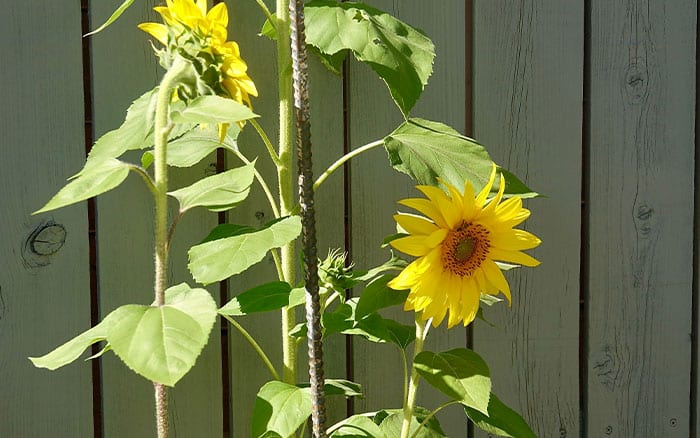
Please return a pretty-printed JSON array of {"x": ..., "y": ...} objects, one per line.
[
  {"x": 458, "y": 244},
  {"x": 198, "y": 35}
]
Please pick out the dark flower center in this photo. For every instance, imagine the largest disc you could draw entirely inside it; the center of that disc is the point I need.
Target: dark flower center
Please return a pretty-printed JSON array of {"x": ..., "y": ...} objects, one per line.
[{"x": 465, "y": 248}]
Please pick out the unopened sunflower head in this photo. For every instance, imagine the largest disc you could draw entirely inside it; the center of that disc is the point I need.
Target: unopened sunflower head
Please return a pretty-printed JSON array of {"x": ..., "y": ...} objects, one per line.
[
  {"x": 457, "y": 245},
  {"x": 191, "y": 32}
]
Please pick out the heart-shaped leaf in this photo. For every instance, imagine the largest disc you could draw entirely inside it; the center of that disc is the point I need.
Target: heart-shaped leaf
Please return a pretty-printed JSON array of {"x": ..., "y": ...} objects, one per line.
[
  {"x": 213, "y": 109},
  {"x": 263, "y": 298},
  {"x": 219, "y": 259},
  {"x": 501, "y": 420},
  {"x": 97, "y": 177},
  {"x": 357, "y": 426},
  {"x": 218, "y": 192},
  {"x": 401, "y": 55},
  {"x": 280, "y": 409},
  {"x": 163, "y": 343},
  {"x": 460, "y": 374},
  {"x": 391, "y": 421},
  {"x": 426, "y": 151}
]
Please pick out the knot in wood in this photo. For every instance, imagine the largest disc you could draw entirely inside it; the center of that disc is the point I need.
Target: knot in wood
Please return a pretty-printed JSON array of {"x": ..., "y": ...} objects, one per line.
[{"x": 636, "y": 82}]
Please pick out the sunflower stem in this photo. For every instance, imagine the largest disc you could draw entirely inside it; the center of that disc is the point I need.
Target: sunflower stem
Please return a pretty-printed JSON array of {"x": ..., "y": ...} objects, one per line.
[
  {"x": 160, "y": 193},
  {"x": 284, "y": 177},
  {"x": 410, "y": 400}
]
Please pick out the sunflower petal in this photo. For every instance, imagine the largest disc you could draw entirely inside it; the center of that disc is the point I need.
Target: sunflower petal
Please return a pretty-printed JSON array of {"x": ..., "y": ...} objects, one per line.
[
  {"x": 444, "y": 204},
  {"x": 516, "y": 257},
  {"x": 481, "y": 197},
  {"x": 415, "y": 224},
  {"x": 427, "y": 208},
  {"x": 156, "y": 30},
  {"x": 496, "y": 278}
]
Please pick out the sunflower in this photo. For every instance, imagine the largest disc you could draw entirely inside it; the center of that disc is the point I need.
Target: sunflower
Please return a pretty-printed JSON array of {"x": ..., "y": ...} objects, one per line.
[
  {"x": 200, "y": 36},
  {"x": 457, "y": 246}
]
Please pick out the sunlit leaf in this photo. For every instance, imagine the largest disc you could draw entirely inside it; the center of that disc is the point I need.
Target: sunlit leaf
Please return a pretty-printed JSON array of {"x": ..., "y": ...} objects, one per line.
[
  {"x": 163, "y": 343},
  {"x": 97, "y": 177},
  {"x": 426, "y": 151},
  {"x": 460, "y": 374},
  {"x": 357, "y": 426},
  {"x": 377, "y": 295},
  {"x": 280, "y": 409},
  {"x": 263, "y": 298},
  {"x": 72, "y": 349},
  {"x": 217, "y": 192},
  {"x": 401, "y": 55},
  {"x": 219, "y": 259},
  {"x": 500, "y": 420},
  {"x": 213, "y": 109},
  {"x": 391, "y": 420}
]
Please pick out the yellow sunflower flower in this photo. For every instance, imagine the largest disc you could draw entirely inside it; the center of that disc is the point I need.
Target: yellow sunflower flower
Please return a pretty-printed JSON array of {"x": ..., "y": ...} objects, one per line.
[
  {"x": 190, "y": 19},
  {"x": 457, "y": 246}
]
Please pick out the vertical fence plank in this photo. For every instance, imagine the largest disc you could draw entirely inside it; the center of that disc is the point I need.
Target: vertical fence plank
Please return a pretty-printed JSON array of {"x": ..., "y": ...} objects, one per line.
[
  {"x": 375, "y": 190},
  {"x": 124, "y": 67},
  {"x": 528, "y": 87},
  {"x": 641, "y": 213},
  {"x": 44, "y": 278}
]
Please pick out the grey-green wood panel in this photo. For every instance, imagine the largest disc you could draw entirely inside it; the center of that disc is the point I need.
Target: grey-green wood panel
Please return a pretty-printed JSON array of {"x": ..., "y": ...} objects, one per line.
[
  {"x": 641, "y": 217},
  {"x": 247, "y": 371},
  {"x": 124, "y": 67},
  {"x": 528, "y": 91},
  {"x": 44, "y": 286},
  {"x": 376, "y": 188}
]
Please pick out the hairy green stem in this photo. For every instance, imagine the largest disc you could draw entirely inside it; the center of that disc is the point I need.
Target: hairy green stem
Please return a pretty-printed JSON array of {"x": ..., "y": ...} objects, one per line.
[
  {"x": 410, "y": 401},
  {"x": 343, "y": 159},
  {"x": 431, "y": 415},
  {"x": 258, "y": 349},
  {"x": 284, "y": 177},
  {"x": 145, "y": 176},
  {"x": 161, "y": 130}
]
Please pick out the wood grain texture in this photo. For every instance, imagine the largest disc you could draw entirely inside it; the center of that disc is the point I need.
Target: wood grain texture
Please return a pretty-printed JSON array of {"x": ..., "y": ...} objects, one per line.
[
  {"x": 247, "y": 372},
  {"x": 642, "y": 152},
  {"x": 44, "y": 282},
  {"x": 376, "y": 188},
  {"x": 124, "y": 67},
  {"x": 528, "y": 89}
]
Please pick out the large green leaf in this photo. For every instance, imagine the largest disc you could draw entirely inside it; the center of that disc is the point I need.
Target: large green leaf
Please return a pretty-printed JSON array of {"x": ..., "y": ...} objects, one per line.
[
  {"x": 218, "y": 192},
  {"x": 263, "y": 298},
  {"x": 460, "y": 374},
  {"x": 97, "y": 177},
  {"x": 135, "y": 133},
  {"x": 501, "y": 420},
  {"x": 373, "y": 327},
  {"x": 72, "y": 349},
  {"x": 163, "y": 343},
  {"x": 280, "y": 409},
  {"x": 219, "y": 259},
  {"x": 391, "y": 420},
  {"x": 426, "y": 151},
  {"x": 213, "y": 109},
  {"x": 357, "y": 426},
  {"x": 377, "y": 295},
  {"x": 401, "y": 55}
]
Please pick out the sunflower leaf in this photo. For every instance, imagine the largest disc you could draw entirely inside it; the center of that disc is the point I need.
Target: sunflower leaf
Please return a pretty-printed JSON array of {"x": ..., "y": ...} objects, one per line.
[
  {"x": 116, "y": 14},
  {"x": 391, "y": 421},
  {"x": 427, "y": 151},
  {"x": 500, "y": 420},
  {"x": 263, "y": 298},
  {"x": 357, "y": 426},
  {"x": 219, "y": 192},
  {"x": 97, "y": 177},
  {"x": 460, "y": 374},
  {"x": 213, "y": 109},
  {"x": 280, "y": 409},
  {"x": 401, "y": 55},
  {"x": 377, "y": 295},
  {"x": 219, "y": 259}
]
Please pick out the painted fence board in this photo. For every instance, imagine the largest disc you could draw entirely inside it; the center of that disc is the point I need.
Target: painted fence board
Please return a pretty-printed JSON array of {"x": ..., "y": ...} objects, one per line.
[
  {"x": 124, "y": 67},
  {"x": 528, "y": 88},
  {"x": 44, "y": 276},
  {"x": 641, "y": 213},
  {"x": 376, "y": 188}
]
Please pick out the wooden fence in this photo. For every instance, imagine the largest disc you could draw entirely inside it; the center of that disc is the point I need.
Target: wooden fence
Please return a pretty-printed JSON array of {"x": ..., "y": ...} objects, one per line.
[{"x": 592, "y": 103}]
